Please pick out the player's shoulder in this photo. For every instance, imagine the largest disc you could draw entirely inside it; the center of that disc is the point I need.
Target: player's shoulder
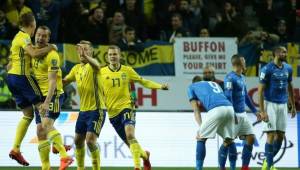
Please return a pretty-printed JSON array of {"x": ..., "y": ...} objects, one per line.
[
  {"x": 124, "y": 67},
  {"x": 288, "y": 66},
  {"x": 104, "y": 68},
  {"x": 76, "y": 67},
  {"x": 22, "y": 37}
]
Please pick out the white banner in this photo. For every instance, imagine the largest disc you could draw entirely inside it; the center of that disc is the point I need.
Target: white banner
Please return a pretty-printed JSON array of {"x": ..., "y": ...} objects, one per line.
[
  {"x": 176, "y": 97},
  {"x": 193, "y": 54},
  {"x": 169, "y": 136}
]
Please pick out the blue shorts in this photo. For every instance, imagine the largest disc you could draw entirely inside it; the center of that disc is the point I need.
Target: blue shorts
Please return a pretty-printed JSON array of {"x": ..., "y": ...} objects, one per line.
[
  {"x": 54, "y": 108},
  {"x": 90, "y": 121},
  {"x": 125, "y": 117},
  {"x": 25, "y": 90}
]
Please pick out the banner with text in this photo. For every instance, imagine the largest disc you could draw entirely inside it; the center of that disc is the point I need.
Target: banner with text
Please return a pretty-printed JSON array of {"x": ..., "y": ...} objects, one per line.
[
  {"x": 169, "y": 136},
  {"x": 194, "y": 54}
]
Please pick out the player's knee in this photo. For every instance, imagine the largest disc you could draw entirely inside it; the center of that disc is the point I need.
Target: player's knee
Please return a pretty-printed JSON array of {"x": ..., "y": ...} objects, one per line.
[
  {"x": 91, "y": 144},
  {"x": 79, "y": 142},
  {"x": 227, "y": 142},
  {"x": 41, "y": 133},
  {"x": 280, "y": 135}
]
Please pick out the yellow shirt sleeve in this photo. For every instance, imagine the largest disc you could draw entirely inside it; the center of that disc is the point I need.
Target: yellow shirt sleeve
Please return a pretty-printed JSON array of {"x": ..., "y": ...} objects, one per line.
[
  {"x": 53, "y": 61},
  {"x": 71, "y": 76},
  {"x": 144, "y": 82},
  {"x": 25, "y": 40}
]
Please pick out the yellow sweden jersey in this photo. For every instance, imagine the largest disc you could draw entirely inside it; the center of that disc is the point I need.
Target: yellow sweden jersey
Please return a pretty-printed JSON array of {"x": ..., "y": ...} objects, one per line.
[
  {"x": 116, "y": 88},
  {"x": 41, "y": 67},
  {"x": 87, "y": 80},
  {"x": 19, "y": 60}
]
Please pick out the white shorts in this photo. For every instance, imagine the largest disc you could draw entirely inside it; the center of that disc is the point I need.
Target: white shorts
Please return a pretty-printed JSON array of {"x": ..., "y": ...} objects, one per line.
[
  {"x": 277, "y": 114},
  {"x": 219, "y": 120},
  {"x": 244, "y": 126}
]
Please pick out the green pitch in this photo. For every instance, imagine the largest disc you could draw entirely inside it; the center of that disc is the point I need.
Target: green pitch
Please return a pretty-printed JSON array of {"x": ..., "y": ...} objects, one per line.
[{"x": 121, "y": 168}]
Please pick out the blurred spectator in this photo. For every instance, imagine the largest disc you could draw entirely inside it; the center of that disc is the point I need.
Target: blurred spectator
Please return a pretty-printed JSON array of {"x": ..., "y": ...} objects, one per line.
[
  {"x": 129, "y": 42},
  {"x": 70, "y": 27},
  {"x": 209, "y": 75},
  {"x": 163, "y": 11},
  {"x": 177, "y": 29},
  {"x": 6, "y": 29},
  {"x": 230, "y": 22},
  {"x": 116, "y": 25},
  {"x": 14, "y": 9},
  {"x": 135, "y": 18},
  {"x": 204, "y": 32},
  {"x": 281, "y": 31},
  {"x": 94, "y": 27},
  {"x": 6, "y": 99},
  {"x": 47, "y": 12},
  {"x": 113, "y": 6},
  {"x": 267, "y": 15},
  {"x": 201, "y": 14},
  {"x": 188, "y": 17},
  {"x": 69, "y": 92}
]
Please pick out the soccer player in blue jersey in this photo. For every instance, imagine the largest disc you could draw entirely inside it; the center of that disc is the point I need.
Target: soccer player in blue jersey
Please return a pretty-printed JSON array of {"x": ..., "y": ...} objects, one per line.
[
  {"x": 236, "y": 92},
  {"x": 220, "y": 115},
  {"x": 274, "y": 91}
]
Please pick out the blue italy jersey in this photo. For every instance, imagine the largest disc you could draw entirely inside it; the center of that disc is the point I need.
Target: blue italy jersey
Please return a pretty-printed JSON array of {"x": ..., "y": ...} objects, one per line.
[
  {"x": 276, "y": 82},
  {"x": 209, "y": 93},
  {"x": 236, "y": 92}
]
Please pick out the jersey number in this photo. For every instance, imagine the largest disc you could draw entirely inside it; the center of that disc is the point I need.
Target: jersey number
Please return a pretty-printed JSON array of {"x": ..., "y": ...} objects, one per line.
[
  {"x": 36, "y": 63},
  {"x": 215, "y": 86},
  {"x": 116, "y": 82}
]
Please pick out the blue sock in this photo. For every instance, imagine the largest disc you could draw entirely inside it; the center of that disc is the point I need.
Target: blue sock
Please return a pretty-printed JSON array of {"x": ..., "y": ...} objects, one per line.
[
  {"x": 276, "y": 146},
  {"x": 200, "y": 154},
  {"x": 232, "y": 155},
  {"x": 246, "y": 154},
  {"x": 223, "y": 152},
  {"x": 269, "y": 154}
]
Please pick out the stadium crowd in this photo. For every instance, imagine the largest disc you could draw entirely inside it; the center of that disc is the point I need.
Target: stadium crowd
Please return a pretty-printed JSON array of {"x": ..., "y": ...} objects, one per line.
[{"x": 103, "y": 21}]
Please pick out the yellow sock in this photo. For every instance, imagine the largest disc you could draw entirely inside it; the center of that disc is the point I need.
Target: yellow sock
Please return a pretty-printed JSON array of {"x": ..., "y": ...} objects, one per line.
[
  {"x": 80, "y": 154},
  {"x": 55, "y": 137},
  {"x": 44, "y": 150},
  {"x": 95, "y": 154},
  {"x": 142, "y": 152},
  {"x": 21, "y": 131},
  {"x": 135, "y": 152}
]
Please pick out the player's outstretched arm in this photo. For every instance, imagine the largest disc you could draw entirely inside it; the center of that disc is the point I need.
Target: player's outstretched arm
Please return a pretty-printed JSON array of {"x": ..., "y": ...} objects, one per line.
[
  {"x": 70, "y": 77},
  {"x": 39, "y": 52},
  {"x": 292, "y": 99}
]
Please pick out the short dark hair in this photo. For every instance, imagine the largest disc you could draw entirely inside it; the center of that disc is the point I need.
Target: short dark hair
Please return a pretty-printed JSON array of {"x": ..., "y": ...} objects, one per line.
[
  {"x": 235, "y": 59},
  {"x": 196, "y": 79},
  {"x": 26, "y": 19},
  {"x": 44, "y": 27},
  {"x": 277, "y": 49},
  {"x": 114, "y": 47},
  {"x": 128, "y": 28},
  {"x": 178, "y": 15}
]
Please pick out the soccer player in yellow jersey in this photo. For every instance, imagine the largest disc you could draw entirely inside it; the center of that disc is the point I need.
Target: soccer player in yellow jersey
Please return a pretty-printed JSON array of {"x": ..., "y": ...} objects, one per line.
[
  {"x": 115, "y": 81},
  {"x": 49, "y": 77},
  {"x": 91, "y": 116},
  {"x": 21, "y": 84}
]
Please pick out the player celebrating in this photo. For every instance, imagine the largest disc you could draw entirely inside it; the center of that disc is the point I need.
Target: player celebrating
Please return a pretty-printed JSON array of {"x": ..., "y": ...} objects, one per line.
[
  {"x": 91, "y": 117},
  {"x": 274, "y": 90},
  {"x": 220, "y": 115},
  {"x": 236, "y": 92},
  {"x": 49, "y": 77},
  {"x": 115, "y": 79},
  {"x": 21, "y": 84}
]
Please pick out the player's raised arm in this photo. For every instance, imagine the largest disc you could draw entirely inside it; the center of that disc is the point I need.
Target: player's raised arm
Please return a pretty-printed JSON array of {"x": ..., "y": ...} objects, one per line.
[{"x": 146, "y": 83}]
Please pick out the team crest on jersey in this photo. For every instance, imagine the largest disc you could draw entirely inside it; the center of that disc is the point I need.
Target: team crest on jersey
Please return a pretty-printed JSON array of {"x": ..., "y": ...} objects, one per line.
[
  {"x": 123, "y": 75},
  {"x": 107, "y": 77},
  {"x": 54, "y": 62}
]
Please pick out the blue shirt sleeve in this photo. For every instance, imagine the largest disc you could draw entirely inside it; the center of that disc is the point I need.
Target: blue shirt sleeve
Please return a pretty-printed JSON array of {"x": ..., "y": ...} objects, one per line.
[
  {"x": 249, "y": 102},
  {"x": 191, "y": 94},
  {"x": 228, "y": 88},
  {"x": 263, "y": 75}
]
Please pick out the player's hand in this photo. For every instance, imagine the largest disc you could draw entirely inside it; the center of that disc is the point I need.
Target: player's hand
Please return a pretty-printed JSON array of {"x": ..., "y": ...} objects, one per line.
[
  {"x": 258, "y": 116},
  {"x": 165, "y": 87},
  {"x": 264, "y": 116},
  {"x": 293, "y": 112},
  {"x": 43, "y": 109}
]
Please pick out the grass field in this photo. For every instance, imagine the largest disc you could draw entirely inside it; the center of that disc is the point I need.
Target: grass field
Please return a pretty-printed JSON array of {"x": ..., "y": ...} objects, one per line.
[{"x": 122, "y": 168}]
